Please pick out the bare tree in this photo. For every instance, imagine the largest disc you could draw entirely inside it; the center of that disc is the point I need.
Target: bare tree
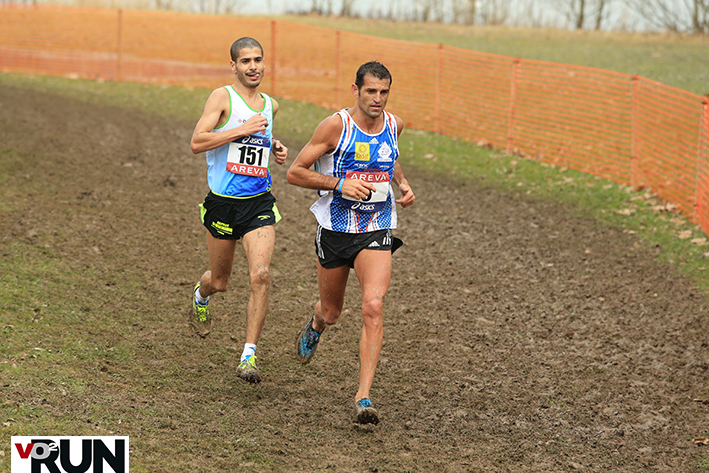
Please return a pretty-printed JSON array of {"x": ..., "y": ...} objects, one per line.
[
  {"x": 439, "y": 8},
  {"x": 346, "y": 9},
  {"x": 700, "y": 17},
  {"x": 202, "y": 6},
  {"x": 601, "y": 9},
  {"x": 228, "y": 6},
  {"x": 690, "y": 16},
  {"x": 470, "y": 11},
  {"x": 529, "y": 15},
  {"x": 424, "y": 8},
  {"x": 573, "y": 10},
  {"x": 163, "y": 5},
  {"x": 579, "y": 13},
  {"x": 493, "y": 12}
]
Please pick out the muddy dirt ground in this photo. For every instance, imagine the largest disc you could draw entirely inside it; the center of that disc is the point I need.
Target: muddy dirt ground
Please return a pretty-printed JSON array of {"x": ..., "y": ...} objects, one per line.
[{"x": 519, "y": 334}]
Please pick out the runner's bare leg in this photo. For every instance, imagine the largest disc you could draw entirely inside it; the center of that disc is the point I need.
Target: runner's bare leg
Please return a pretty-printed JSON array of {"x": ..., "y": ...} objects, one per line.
[
  {"x": 221, "y": 260},
  {"x": 258, "y": 246},
  {"x": 332, "y": 284},
  {"x": 373, "y": 270}
]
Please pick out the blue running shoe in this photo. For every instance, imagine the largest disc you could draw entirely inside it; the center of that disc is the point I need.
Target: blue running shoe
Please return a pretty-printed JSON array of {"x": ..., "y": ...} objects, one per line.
[
  {"x": 307, "y": 342},
  {"x": 247, "y": 370},
  {"x": 366, "y": 413}
]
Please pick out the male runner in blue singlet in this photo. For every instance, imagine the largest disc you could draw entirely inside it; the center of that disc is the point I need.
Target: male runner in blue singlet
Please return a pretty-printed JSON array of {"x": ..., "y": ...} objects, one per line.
[
  {"x": 354, "y": 154},
  {"x": 236, "y": 132}
]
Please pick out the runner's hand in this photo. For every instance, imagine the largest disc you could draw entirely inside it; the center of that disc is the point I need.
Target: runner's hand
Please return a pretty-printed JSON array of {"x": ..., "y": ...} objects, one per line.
[
  {"x": 280, "y": 152},
  {"x": 407, "y": 196},
  {"x": 357, "y": 189},
  {"x": 253, "y": 125}
]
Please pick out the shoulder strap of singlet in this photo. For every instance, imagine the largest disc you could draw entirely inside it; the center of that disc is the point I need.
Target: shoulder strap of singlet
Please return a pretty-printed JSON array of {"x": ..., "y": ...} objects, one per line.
[
  {"x": 347, "y": 128},
  {"x": 391, "y": 121}
]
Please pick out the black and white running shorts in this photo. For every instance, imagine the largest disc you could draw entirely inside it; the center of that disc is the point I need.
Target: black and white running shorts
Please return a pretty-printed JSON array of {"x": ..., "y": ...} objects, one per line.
[{"x": 335, "y": 249}]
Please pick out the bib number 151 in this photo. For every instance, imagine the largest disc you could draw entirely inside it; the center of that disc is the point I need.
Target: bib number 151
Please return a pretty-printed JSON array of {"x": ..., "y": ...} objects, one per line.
[{"x": 249, "y": 156}]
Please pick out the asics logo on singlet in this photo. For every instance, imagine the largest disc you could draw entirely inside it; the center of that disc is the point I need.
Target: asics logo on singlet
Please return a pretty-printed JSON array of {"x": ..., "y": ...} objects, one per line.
[
  {"x": 363, "y": 207},
  {"x": 253, "y": 140}
]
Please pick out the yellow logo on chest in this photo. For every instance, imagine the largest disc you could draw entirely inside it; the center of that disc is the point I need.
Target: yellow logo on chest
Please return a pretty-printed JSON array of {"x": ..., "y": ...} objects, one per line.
[{"x": 362, "y": 152}]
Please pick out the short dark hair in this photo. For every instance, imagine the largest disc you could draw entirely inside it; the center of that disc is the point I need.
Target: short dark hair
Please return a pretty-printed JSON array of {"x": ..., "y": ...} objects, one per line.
[
  {"x": 374, "y": 68},
  {"x": 242, "y": 43}
]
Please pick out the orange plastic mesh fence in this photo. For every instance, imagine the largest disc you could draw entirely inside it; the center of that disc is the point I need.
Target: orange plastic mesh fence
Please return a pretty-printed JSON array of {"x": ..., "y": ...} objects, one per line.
[
  {"x": 702, "y": 209},
  {"x": 627, "y": 129},
  {"x": 668, "y": 142},
  {"x": 573, "y": 116},
  {"x": 474, "y": 99}
]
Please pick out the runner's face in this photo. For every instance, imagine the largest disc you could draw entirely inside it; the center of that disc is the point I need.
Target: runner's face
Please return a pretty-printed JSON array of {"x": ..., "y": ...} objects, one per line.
[
  {"x": 249, "y": 67},
  {"x": 372, "y": 96}
]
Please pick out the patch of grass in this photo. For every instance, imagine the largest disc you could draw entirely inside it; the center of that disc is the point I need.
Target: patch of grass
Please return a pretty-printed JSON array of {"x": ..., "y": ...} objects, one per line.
[
  {"x": 10, "y": 195},
  {"x": 161, "y": 100}
]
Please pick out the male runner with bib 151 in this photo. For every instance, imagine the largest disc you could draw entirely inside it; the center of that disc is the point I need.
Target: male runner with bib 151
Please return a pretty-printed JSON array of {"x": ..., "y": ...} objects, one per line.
[
  {"x": 354, "y": 153},
  {"x": 236, "y": 131}
]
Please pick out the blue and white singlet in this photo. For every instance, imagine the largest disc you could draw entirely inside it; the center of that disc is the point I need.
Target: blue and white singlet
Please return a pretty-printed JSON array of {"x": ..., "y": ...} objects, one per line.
[
  {"x": 359, "y": 155},
  {"x": 240, "y": 169}
]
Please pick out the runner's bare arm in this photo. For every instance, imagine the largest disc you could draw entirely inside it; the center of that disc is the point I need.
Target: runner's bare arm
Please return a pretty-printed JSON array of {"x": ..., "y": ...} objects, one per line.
[
  {"x": 324, "y": 141},
  {"x": 279, "y": 150},
  {"x": 215, "y": 112},
  {"x": 407, "y": 195}
]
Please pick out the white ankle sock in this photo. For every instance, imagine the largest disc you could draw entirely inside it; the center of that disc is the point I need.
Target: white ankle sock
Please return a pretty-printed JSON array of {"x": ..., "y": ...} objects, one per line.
[
  {"x": 198, "y": 297},
  {"x": 249, "y": 350}
]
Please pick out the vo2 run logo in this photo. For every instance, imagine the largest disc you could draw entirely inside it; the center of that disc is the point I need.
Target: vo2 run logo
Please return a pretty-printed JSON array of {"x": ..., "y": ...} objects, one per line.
[{"x": 69, "y": 455}]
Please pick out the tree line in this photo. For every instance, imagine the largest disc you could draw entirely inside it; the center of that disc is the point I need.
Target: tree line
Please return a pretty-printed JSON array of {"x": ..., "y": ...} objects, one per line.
[{"x": 682, "y": 16}]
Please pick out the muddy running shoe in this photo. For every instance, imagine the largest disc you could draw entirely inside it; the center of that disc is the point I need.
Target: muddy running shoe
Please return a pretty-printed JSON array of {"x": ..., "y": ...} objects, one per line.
[
  {"x": 307, "y": 342},
  {"x": 200, "y": 321},
  {"x": 247, "y": 370},
  {"x": 366, "y": 413}
]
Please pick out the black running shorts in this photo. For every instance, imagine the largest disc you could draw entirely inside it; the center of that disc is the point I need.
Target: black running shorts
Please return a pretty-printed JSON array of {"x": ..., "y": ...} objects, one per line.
[
  {"x": 230, "y": 219},
  {"x": 335, "y": 249}
]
